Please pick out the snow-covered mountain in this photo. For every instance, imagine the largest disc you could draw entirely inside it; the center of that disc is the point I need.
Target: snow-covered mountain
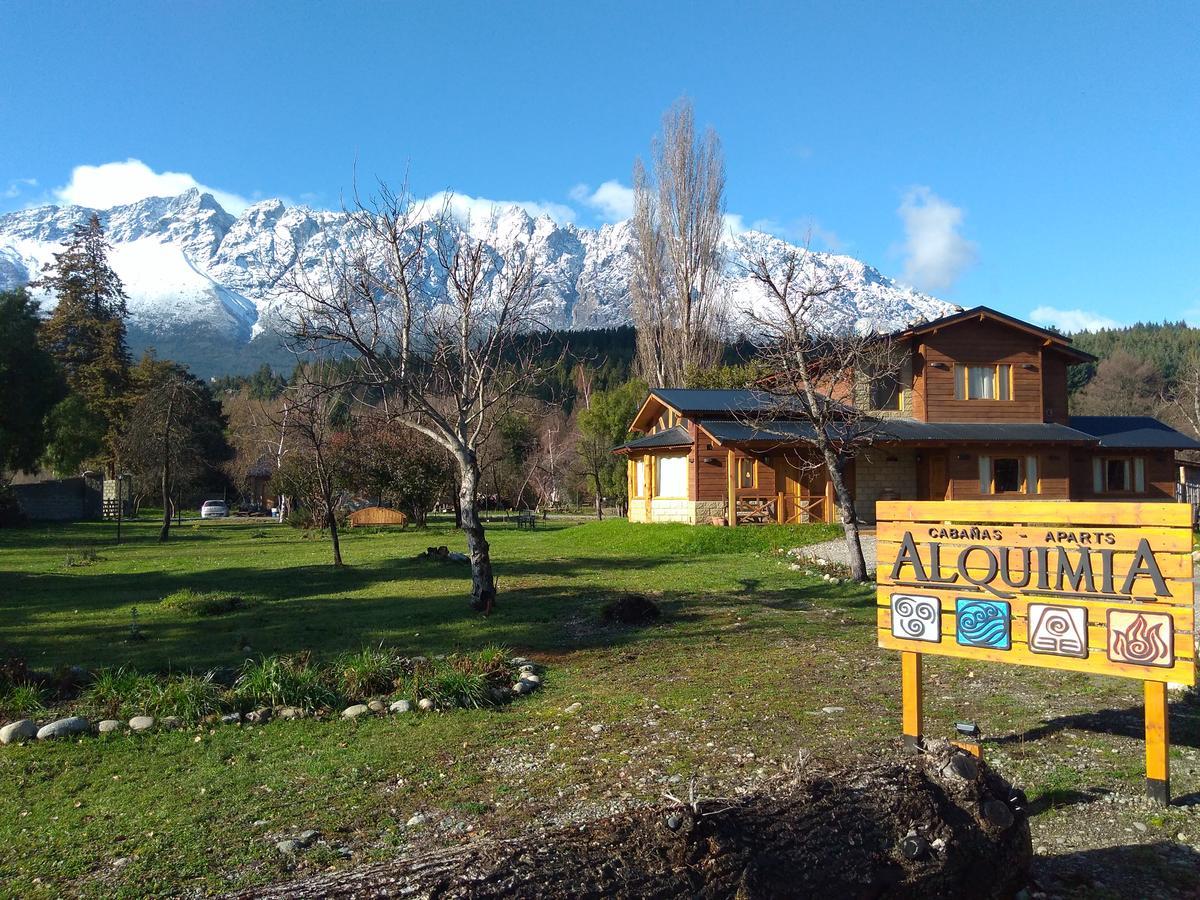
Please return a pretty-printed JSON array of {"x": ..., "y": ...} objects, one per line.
[{"x": 204, "y": 286}]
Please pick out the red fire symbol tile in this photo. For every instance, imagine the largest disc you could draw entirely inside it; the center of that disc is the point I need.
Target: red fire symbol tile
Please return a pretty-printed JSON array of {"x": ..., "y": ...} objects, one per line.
[{"x": 1141, "y": 638}]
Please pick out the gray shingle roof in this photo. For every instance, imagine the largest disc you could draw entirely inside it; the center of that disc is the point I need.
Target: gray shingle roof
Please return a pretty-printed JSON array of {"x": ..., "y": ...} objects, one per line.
[
  {"x": 694, "y": 402},
  {"x": 671, "y": 437},
  {"x": 908, "y": 430},
  {"x": 1133, "y": 432}
]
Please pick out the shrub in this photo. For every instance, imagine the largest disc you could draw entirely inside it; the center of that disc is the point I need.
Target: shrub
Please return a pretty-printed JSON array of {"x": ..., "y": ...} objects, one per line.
[
  {"x": 119, "y": 693},
  {"x": 21, "y": 700},
  {"x": 81, "y": 556},
  {"x": 453, "y": 687},
  {"x": 202, "y": 603},
  {"x": 372, "y": 670},
  {"x": 284, "y": 681},
  {"x": 190, "y": 697}
]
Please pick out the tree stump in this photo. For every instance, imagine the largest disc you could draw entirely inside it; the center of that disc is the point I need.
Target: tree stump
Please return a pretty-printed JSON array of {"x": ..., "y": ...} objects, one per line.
[{"x": 930, "y": 826}]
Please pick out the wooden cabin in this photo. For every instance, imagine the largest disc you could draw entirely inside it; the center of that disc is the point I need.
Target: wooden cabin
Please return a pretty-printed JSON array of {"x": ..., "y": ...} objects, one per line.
[{"x": 977, "y": 410}]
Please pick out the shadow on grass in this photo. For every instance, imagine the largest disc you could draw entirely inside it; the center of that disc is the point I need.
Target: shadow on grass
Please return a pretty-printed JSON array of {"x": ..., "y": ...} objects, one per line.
[
  {"x": 1134, "y": 870},
  {"x": 1128, "y": 722}
]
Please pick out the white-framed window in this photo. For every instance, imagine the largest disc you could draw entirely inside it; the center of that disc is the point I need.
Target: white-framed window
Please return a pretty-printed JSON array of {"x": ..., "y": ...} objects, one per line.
[
  {"x": 982, "y": 382},
  {"x": 671, "y": 480},
  {"x": 639, "y": 478},
  {"x": 1119, "y": 475},
  {"x": 1009, "y": 475}
]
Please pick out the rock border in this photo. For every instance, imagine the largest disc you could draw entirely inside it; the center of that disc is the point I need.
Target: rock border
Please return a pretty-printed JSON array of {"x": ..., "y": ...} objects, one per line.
[{"x": 20, "y": 731}]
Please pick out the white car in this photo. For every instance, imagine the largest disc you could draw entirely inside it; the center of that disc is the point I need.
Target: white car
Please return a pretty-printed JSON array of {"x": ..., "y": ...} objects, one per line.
[{"x": 214, "y": 509}]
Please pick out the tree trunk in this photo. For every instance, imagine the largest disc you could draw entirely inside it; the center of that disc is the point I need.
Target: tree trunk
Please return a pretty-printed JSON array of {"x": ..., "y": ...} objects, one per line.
[
  {"x": 331, "y": 522},
  {"x": 938, "y": 825},
  {"x": 599, "y": 499},
  {"x": 483, "y": 582},
  {"x": 834, "y": 466},
  {"x": 165, "y": 531}
]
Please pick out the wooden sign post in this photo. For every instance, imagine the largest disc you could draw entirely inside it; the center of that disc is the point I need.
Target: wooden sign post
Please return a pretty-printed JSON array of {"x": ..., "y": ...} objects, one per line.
[{"x": 1104, "y": 588}]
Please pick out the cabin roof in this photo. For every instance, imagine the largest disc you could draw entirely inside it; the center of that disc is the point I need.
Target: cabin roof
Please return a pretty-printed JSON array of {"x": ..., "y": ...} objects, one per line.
[
  {"x": 1059, "y": 342},
  {"x": 900, "y": 431},
  {"x": 1140, "y": 432},
  {"x": 670, "y": 437}
]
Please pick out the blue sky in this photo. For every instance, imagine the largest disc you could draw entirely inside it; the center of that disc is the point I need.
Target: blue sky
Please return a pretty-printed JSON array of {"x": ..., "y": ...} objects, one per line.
[{"x": 1019, "y": 155}]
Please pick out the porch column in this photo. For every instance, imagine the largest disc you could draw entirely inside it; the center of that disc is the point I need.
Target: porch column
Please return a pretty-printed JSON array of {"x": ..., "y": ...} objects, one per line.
[{"x": 731, "y": 484}]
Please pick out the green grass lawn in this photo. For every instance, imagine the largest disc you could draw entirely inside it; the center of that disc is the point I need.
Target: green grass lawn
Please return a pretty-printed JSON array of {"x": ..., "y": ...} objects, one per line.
[{"x": 729, "y": 686}]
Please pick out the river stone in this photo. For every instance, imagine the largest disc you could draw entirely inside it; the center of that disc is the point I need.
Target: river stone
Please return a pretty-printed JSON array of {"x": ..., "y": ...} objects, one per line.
[
  {"x": 232, "y": 718},
  {"x": 305, "y": 838},
  {"x": 288, "y": 847},
  {"x": 377, "y": 706},
  {"x": 260, "y": 715},
  {"x": 353, "y": 712},
  {"x": 425, "y": 704},
  {"x": 141, "y": 723},
  {"x": 573, "y": 708},
  {"x": 290, "y": 712},
  {"x": 68, "y": 727},
  {"x": 401, "y": 706},
  {"x": 109, "y": 725},
  {"x": 522, "y": 687},
  {"x": 16, "y": 732},
  {"x": 171, "y": 722},
  {"x": 535, "y": 680}
]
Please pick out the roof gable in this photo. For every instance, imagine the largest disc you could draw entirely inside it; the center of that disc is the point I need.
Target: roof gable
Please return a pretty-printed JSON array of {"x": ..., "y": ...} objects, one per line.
[{"x": 1050, "y": 339}]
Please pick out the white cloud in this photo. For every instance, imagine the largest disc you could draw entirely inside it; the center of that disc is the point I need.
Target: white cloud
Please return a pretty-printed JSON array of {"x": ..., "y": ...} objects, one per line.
[
  {"x": 18, "y": 186},
  {"x": 612, "y": 200},
  {"x": 935, "y": 252},
  {"x": 116, "y": 183},
  {"x": 466, "y": 208},
  {"x": 1071, "y": 320}
]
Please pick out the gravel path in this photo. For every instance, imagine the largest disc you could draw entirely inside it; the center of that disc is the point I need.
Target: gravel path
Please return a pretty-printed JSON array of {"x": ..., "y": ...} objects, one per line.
[{"x": 835, "y": 551}]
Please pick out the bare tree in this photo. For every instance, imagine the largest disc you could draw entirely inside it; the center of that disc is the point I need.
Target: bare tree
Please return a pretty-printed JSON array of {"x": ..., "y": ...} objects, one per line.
[
  {"x": 313, "y": 408},
  {"x": 173, "y": 433},
  {"x": 677, "y": 278},
  {"x": 448, "y": 369},
  {"x": 1184, "y": 402},
  {"x": 819, "y": 378}
]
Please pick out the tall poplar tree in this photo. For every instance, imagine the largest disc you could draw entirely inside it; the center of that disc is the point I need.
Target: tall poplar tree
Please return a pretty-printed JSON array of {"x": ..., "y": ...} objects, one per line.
[{"x": 86, "y": 334}]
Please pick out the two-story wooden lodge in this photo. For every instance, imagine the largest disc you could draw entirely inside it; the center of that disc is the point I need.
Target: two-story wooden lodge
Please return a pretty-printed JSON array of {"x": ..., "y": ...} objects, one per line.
[{"x": 978, "y": 410}]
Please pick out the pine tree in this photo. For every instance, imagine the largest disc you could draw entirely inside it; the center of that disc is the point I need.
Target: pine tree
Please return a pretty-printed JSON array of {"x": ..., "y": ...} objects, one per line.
[{"x": 86, "y": 331}]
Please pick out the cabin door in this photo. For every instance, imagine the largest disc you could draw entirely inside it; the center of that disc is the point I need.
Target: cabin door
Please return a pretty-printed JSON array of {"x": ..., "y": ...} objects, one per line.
[
  {"x": 803, "y": 492},
  {"x": 938, "y": 483}
]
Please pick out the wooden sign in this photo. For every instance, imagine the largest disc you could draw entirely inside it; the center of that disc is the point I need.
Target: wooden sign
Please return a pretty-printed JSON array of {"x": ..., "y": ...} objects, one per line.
[{"x": 1104, "y": 588}]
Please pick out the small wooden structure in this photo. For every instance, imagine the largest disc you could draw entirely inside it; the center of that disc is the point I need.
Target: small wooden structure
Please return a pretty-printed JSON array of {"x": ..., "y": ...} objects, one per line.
[{"x": 377, "y": 515}]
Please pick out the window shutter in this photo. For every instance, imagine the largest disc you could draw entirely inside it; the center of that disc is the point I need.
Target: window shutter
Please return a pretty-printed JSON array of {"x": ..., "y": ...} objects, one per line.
[{"x": 985, "y": 474}]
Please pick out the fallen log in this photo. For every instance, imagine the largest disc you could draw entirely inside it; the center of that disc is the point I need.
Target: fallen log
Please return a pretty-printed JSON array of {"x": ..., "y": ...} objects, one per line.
[{"x": 938, "y": 825}]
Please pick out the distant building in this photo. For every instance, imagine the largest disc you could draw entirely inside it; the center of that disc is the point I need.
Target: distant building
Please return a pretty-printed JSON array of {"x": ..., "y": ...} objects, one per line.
[{"x": 46, "y": 499}]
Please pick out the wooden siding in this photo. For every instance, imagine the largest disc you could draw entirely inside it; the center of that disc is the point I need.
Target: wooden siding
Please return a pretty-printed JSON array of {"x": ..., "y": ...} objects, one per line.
[
  {"x": 1054, "y": 387},
  {"x": 978, "y": 343}
]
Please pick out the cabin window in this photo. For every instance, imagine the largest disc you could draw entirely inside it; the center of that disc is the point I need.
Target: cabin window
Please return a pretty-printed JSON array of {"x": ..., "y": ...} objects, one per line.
[
  {"x": 639, "y": 478},
  {"x": 885, "y": 391},
  {"x": 1119, "y": 475},
  {"x": 672, "y": 477},
  {"x": 745, "y": 473},
  {"x": 983, "y": 382},
  {"x": 1008, "y": 475}
]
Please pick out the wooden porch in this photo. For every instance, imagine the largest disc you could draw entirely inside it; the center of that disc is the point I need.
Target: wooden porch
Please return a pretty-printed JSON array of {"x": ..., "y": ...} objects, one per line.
[{"x": 800, "y": 496}]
